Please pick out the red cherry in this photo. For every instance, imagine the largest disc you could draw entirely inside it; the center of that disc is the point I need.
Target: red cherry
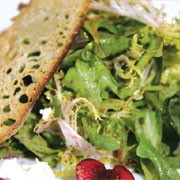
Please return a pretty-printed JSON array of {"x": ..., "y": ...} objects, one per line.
[
  {"x": 88, "y": 169},
  {"x": 123, "y": 173},
  {"x": 107, "y": 174}
]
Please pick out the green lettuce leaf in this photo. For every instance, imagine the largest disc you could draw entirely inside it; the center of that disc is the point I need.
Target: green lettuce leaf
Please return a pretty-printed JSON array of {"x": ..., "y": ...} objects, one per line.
[
  {"x": 93, "y": 81},
  {"x": 100, "y": 141},
  {"x": 174, "y": 111},
  {"x": 36, "y": 144},
  {"x": 165, "y": 170},
  {"x": 150, "y": 127}
]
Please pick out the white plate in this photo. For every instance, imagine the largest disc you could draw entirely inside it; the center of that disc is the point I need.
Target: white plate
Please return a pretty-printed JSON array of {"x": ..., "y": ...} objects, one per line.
[{"x": 8, "y": 9}]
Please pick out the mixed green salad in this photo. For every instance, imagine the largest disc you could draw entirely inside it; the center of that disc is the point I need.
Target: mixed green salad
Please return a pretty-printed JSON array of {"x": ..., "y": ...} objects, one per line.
[{"x": 115, "y": 98}]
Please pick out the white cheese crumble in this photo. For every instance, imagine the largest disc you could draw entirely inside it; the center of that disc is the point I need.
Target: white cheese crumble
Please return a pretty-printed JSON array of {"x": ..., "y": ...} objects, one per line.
[
  {"x": 13, "y": 169},
  {"x": 45, "y": 113}
]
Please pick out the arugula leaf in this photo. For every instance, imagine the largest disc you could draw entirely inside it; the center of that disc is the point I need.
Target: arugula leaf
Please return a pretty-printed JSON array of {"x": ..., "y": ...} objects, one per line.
[
  {"x": 106, "y": 142},
  {"x": 150, "y": 127},
  {"x": 175, "y": 161},
  {"x": 154, "y": 50},
  {"x": 117, "y": 45},
  {"x": 90, "y": 81},
  {"x": 96, "y": 28},
  {"x": 149, "y": 170},
  {"x": 92, "y": 26},
  {"x": 146, "y": 150},
  {"x": 13, "y": 148},
  {"x": 35, "y": 143},
  {"x": 174, "y": 111},
  {"x": 153, "y": 99},
  {"x": 83, "y": 82}
]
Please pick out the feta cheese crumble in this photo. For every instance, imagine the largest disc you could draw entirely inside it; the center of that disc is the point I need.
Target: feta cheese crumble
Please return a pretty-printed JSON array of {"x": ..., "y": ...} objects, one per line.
[
  {"x": 15, "y": 169},
  {"x": 45, "y": 113}
]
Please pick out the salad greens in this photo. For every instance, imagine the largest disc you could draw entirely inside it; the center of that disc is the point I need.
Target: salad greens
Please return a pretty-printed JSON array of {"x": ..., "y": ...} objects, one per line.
[{"x": 116, "y": 98}]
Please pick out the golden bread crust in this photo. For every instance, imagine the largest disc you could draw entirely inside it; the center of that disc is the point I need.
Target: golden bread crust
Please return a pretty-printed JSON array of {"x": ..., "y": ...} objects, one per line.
[{"x": 30, "y": 53}]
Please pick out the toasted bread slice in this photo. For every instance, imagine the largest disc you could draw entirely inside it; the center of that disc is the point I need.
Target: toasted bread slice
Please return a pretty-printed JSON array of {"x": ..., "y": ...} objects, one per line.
[{"x": 30, "y": 53}]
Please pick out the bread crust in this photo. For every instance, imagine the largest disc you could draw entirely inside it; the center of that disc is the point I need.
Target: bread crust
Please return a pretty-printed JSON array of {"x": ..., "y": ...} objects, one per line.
[{"x": 35, "y": 91}]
